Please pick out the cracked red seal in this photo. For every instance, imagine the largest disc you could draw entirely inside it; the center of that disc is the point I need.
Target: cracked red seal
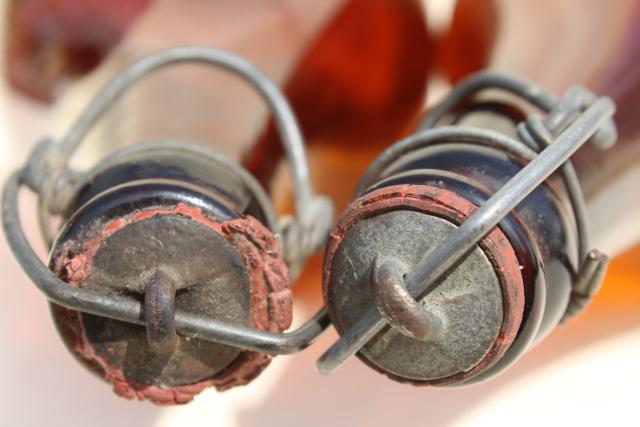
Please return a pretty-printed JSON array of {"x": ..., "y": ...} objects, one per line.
[{"x": 221, "y": 264}]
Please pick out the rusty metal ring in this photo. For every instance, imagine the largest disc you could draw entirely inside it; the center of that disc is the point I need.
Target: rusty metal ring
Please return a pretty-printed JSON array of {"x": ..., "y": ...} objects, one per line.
[
  {"x": 397, "y": 306},
  {"x": 159, "y": 312}
]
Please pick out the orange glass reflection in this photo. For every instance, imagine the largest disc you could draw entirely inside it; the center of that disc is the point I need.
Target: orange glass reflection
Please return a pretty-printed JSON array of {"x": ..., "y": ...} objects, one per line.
[{"x": 362, "y": 82}]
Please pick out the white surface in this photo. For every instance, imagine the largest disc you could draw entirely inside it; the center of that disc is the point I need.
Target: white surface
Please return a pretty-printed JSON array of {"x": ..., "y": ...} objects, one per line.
[{"x": 556, "y": 394}]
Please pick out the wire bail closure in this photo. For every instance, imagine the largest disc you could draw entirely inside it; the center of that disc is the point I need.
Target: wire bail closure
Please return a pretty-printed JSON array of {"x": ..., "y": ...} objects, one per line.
[
  {"x": 546, "y": 146},
  {"x": 47, "y": 174}
]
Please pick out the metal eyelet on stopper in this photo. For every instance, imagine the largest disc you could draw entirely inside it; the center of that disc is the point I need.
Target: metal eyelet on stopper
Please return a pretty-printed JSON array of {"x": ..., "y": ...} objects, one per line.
[
  {"x": 160, "y": 311},
  {"x": 544, "y": 147},
  {"x": 397, "y": 305},
  {"x": 155, "y": 237}
]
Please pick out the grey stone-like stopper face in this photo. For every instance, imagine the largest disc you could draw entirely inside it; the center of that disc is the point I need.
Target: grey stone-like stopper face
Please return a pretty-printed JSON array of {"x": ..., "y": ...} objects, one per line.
[{"x": 468, "y": 301}]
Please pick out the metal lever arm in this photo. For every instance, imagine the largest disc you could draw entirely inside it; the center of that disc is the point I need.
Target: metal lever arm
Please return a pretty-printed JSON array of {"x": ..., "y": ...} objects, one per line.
[
  {"x": 463, "y": 239},
  {"x": 130, "y": 310}
]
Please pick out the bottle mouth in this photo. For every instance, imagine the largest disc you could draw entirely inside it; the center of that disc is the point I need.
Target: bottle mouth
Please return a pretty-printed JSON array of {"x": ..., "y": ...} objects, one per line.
[{"x": 479, "y": 305}]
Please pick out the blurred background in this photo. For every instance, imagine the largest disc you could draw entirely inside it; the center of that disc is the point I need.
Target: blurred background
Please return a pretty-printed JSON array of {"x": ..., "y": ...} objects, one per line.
[{"x": 358, "y": 73}]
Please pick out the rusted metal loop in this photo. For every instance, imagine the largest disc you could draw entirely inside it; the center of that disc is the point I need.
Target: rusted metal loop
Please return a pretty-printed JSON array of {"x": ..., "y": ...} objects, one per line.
[
  {"x": 397, "y": 306},
  {"x": 160, "y": 312},
  {"x": 127, "y": 309}
]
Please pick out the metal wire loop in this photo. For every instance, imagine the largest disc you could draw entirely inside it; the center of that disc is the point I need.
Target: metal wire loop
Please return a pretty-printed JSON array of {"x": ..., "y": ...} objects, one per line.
[
  {"x": 49, "y": 161},
  {"x": 131, "y": 310},
  {"x": 311, "y": 211},
  {"x": 590, "y": 119}
]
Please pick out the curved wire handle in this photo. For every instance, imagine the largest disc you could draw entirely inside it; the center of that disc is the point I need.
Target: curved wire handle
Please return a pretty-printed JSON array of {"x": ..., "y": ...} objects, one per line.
[
  {"x": 575, "y": 120},
  {"x": 313, "y": 213},
  {"x": 48, "y": 159}
]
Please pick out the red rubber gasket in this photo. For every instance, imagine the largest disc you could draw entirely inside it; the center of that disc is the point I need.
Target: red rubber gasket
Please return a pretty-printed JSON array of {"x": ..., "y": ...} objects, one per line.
[{"x": 271, "y": 302}]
